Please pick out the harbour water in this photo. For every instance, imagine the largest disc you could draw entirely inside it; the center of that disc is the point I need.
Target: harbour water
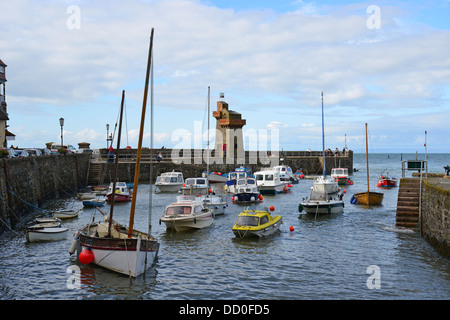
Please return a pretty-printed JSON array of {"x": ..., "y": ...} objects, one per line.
[{"x": 355, "y": 255}]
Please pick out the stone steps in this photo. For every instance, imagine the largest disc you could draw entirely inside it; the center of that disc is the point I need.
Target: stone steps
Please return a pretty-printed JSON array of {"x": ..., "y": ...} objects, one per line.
[
  {"x": 408, "y": 204},
  {"x": 94, "y": 173}
]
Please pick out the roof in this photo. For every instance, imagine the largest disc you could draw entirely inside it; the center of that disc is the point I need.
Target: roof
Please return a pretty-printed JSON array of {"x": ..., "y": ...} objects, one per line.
[{"x": 2, "y": 63}]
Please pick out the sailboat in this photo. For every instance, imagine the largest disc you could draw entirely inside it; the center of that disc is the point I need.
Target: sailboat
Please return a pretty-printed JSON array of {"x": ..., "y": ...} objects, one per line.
[
  {"x": 369, "y": 197},
  {"x": 110, "y": 244},
  {"x": 325, "y": 197}
]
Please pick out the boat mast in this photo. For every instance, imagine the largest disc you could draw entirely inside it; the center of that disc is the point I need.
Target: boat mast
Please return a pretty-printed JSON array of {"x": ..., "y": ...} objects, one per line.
[
  {"x": 207, "y": 159},
  {"x": 324, "y": 173},
  {"x": 116, "y": 161},
  {"x": 141, "y": 131},
  {"x": 367, "y": 165}
]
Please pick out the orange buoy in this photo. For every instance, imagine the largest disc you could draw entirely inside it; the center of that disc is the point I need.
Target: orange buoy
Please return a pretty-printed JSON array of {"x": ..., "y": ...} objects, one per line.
[{"x": 272, "y": 208}]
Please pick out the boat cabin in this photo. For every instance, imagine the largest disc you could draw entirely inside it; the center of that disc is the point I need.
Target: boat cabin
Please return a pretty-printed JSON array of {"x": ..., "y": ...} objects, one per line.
[
  {"x": 252, "y": 219},
  {"x": 170, "y": 177},
  {"x": 184, "y": 208},
  {"x": 339, "y": 172},
  {"x": 267, "y": 176}
]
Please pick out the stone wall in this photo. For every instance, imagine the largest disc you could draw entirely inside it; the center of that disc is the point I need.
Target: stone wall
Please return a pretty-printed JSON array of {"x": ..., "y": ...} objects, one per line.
[
  {"x": 310, "y": 165},
  {"x": 26, "y": 183},
  {"x": 435, "y": 222}
]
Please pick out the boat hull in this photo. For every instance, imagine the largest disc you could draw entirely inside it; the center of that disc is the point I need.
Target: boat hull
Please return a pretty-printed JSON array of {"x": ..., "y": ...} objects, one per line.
[
  {"x": 215, "y": 178},
  {"x": 217, "y": 208},
  {"x": 368, "y": 198},
  {"x": 246, "y": 198},
  {"x": 180, "y": 224},
  {"x": 66, "y": 214},
  {"x": 119, "y": 197},
  {"x": 323, "y": 207},
  {"x": 46, "y": 234},
  {"x": 387, "y": 183},
  {"x": 93, "y": 203},
  {"x": 169, "y": 187},
  {"x": 246, "y": 232},
  {"x": 272, "y": 189},
  {"x": 130, "y": 256}
]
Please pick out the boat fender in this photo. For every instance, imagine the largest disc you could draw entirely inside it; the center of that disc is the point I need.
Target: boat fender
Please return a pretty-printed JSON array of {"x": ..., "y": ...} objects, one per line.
[
  {"x": 73, "y": 246},
  {"x": 300, "y": 207},
  {"x": 159, "y": 221},
  {"x": 353, "y": 200},
  {"x": 195, "y": 220},
  {"x": 329, "y": 209}
]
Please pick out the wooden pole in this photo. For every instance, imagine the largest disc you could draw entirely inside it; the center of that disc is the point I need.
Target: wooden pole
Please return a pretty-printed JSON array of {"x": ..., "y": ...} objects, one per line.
[
  {"x": 141, "y": 131},
  {"x": 113, "y": 194},
  {"x": 367, "y": 165}
]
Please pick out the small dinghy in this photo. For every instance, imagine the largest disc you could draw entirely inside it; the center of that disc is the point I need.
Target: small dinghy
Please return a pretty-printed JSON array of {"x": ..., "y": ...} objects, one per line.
[
  {"x": 94, "y": 202},
  {"x": 46, "y": 234},
  {"x": 49, "y": 231},
  {"x": 66, "y": 214}
]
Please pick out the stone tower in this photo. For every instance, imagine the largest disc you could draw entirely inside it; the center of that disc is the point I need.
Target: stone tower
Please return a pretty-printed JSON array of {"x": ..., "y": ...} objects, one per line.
[{"x": 229, "y": 139}]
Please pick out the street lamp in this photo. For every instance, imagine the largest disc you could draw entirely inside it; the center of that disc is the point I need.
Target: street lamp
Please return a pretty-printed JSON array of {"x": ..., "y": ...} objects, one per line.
[
  {"x": 107, "y": 135},
  {"x": 61, "y": 123}
]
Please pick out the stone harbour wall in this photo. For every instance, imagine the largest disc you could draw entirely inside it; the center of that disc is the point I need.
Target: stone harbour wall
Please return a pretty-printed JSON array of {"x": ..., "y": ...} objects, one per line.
[
  {"x": 26, "y": 183},
  {"x": 435, "y": 221}
]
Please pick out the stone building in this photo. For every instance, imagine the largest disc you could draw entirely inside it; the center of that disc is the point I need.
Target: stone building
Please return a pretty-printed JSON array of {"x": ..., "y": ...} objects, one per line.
[
  {"x": 5, "y": 135},
  {"x": 229, "y": 138}
]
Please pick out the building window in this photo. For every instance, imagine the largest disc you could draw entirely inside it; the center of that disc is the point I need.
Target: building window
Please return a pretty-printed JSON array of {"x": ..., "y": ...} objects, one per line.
[{"x": 2, "y": 69}]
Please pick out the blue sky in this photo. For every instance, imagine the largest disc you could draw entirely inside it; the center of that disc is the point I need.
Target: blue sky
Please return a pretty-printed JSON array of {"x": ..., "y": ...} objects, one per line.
[{"x": 272, "y": 59}]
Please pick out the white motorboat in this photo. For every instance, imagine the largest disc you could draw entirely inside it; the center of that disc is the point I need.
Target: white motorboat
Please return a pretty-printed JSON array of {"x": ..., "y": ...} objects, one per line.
[
  {"x": 340, "y": 175},
  {"x": 196, "y": 186},
  {"x": 121, "y": 194},
  {"x": 246, "y": 191},
  {"x": 321, "y": 203},
  {"x": 169, "y": 181},
  {"x": 269, "y": 182},
  {"x": 325, "y": 184},
  {"x": 286, "y": 174},
  {"x": 216, "y": 204},
  {"x": 188, "y": 214},
  {"x": 49, "y": 231},
  {"x": 216, "y": 177},
  {"x": 324, "y": 196},
  {"x": 233, "y": 177}
]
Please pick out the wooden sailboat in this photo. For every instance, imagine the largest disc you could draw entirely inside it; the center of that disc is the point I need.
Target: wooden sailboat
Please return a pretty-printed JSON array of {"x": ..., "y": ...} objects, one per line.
[
  {"x": 369, "y": 197},
  {"x": 110, "y": 244}
]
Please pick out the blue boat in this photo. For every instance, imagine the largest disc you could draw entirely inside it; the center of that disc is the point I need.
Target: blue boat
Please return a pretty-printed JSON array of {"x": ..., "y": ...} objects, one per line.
[{"x": 94, "y": 202}]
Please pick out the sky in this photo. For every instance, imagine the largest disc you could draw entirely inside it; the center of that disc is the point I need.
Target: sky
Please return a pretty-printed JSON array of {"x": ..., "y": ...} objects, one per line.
[{"x": 384, "y": 63}]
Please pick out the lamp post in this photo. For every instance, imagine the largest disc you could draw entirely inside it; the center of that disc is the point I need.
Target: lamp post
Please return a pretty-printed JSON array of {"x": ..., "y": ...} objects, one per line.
[
  {"x": 107, "y": 135},
  {"x": 61, "y": 123}
]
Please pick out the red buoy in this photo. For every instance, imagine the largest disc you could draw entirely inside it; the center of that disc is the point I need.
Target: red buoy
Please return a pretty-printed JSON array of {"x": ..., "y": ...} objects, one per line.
[
  {"x": 86, "y": 256},
  {"x": 291, "y": 228},
  {"x": 272, "y": 208}
]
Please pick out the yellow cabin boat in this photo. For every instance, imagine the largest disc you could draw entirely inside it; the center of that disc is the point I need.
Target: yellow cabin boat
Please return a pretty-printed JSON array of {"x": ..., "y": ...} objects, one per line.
[{"x": 256, "y": 223}]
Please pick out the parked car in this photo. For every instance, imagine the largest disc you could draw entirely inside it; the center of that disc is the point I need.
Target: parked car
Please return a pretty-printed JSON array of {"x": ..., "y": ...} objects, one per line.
[
  {"x": 55, "y": 147},
  {"x": 34, "y": 152},
  {"x": 21, "y": 153},
  {"x": 45, "y": 151},
  {"x": 12, "y": 153}
]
